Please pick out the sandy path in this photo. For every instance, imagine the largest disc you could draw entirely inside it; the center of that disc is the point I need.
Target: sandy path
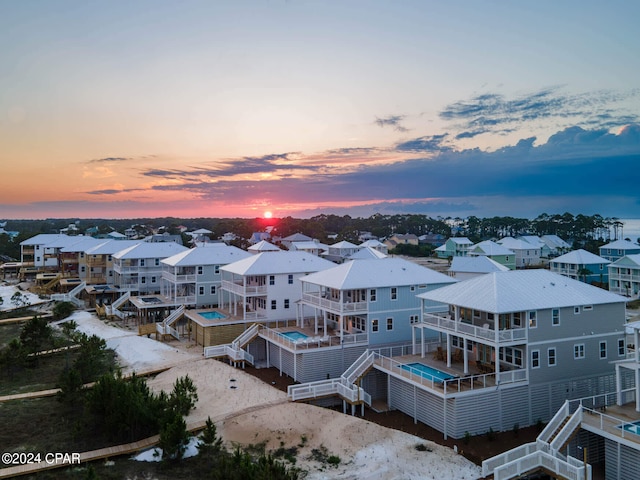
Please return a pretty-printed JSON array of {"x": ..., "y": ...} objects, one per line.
[{"x": 367, "y": 451}]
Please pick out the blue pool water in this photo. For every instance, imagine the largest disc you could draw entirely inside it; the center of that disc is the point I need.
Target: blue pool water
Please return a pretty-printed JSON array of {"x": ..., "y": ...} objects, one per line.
[
  {"x": 293, "y": 336},
  {"x": 212, "y": 315},
  {"x": 427, "y": 372},
  {"x": 631, "y": 427}
]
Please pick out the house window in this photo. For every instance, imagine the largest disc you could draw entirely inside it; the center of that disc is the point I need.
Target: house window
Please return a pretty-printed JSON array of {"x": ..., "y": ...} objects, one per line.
[
  {"x": 603, "y": 349},
  {"x": 578, "y": 351},
  {"x": 216, "y": 269},
  {"x": 506, "y": 259},
  {"x": 111, "y": 273},
  {"x": 412, "y": 288},
  {"x": 601, "y": 266},
  {"x": 555, "y": 317},
  {"x": 414, "y": 318},
  {"x": 200, "y": 270},
  {"x": 389, "y": 323},
  {"x": 157, "y": 262},
  {"x": 372, "y": 295},
  {"x": 533, "y": 320},
  {"x": 551, "y": 357},
  {"x": 587, "y": 308},
  {"x": 516, "y": 319},
  {"x": 286, "y": 303},
  {"x": 273, "y": 305},
  {"x": 394, "y": 293},
  {"x": 272, "y": 280},
  {"x": 213, "y": 290},
  {"x": 576, "y": 310},
  {"x": 153, "y": 279},
  {"x": 200, "y": 290},
  {"x": 374, "y": 325},
  {"x": 621, "y": 348},
  {"x": 143, "y": 280},
  {"x": 109, "y": 258},
  {"x": 82, "y": 269},
  {"x": 290, "y": 279},
  {"x": 535, "y": 359},
  {"x": 142, "y": 262}
]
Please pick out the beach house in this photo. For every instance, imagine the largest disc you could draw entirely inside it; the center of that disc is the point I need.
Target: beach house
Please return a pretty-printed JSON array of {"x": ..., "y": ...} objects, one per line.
[
  {"x": 624, "y": 276},
  {"x": 527, "y": 254},
  {"x": 581, "y": 265},
  {"x": 495, "y": 252},
  {"x": 619, "y": 248}
]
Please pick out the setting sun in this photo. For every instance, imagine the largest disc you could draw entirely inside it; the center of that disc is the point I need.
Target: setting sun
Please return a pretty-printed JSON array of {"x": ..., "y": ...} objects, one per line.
[{"x": 268, "y": 215}]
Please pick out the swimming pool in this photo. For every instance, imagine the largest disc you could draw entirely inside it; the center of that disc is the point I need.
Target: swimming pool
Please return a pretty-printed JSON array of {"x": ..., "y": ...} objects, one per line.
[
  {"x": 294, "y": 336},
  {"x": 631, "y": 427},
  {"x": 212, "y": 315},
  {"x": 426, "y": 371}
]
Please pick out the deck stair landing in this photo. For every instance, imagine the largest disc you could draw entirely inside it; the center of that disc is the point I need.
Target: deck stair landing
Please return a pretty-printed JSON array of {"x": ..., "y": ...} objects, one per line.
[
  {"x": 234, "y": 351},
  {"x": 346, "y": 386},
  {"x": 71, "y": 296},
  {"x": 544, "y": 453}
]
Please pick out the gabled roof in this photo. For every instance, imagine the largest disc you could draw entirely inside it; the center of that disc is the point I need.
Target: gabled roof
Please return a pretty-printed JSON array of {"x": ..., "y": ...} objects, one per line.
[
  {"x": 554, "y": 241},
  {"x": 521, "y": 290},
  {"x": 515, "y": 244},
  {"x": 622, "y": 245},
  {"x": 480, "y": 264},
  {"x": 534, "y": 240},
  {"x": 631, "y": 260},
  {"x": 309, "y": 245},
  {"x": 377, "y": 273},
  {"x": 372, "y": 244},
  {"x": 44, "y": 239},
  {"x": 82, "y": 244},
  {"x": 200, "y": 256},
  {"x": 273, "y": 263},
  {"x": 581, "y": 257},
  {"x": 150, "y": 250},
  {"x": 366, "y": 253},
  {"x": 297, "y": 237},
  {"x": 263, "y": 246},
  {"x": 343, "y": 244},
  {"x": 490, "y": 248},
  {"x": 461, "y": 240},
  {"x": 201, "y": 231},
  {"x": 109, "y": 247},
  {"x": 116, "y": 235}
]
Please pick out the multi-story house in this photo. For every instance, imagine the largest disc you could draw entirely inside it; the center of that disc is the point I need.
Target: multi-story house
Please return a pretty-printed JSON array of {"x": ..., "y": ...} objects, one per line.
[
  {"x": 581, "y": 265},
  {"x": 137, "y": 269},
  {"x": 512, "y": 346},
  {"x": 527, "y": 254},
  {"x": 98, "y": 261},
  {"x": 341, "y": 251},
  {"x": 376, "y": 245},
  {"x": 624, "y": 276},
  {"x": 263, "y": 246},
  {"x": 454, "y": 247},
  {"x": 617, "y": 249},
  {"x": 71, "y": 257},
  {"x": 266, "y": 287},
  {"x": 41, "y": 251},
  {"x": 495, "y": 252},
  {"x": 192, "y": 277},
  {"x": 537, "y": 242},
  {"x": 310, "y": 246},
  {"x": 557, "y": 246}
]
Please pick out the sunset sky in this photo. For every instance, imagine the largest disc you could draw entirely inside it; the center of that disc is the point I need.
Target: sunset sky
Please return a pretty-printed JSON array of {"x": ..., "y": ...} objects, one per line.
[{"x": 123, "y": 109}]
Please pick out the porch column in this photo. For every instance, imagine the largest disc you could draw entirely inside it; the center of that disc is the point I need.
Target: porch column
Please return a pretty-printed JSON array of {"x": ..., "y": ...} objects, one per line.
[
  {"x": 466, "y": 357},
  {"x": 619, "y": 386},
  {"x": 448, "y": 350},
  {"x": 413, "y": 339}
]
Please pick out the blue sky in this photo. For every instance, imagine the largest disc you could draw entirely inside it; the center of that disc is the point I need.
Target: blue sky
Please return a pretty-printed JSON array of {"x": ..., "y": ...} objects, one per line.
[{"x": 203, "y": 108}]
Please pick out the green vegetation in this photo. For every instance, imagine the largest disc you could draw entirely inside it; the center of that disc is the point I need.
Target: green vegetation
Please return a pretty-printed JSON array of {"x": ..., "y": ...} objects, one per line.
[{"x": 63, "y": 310}]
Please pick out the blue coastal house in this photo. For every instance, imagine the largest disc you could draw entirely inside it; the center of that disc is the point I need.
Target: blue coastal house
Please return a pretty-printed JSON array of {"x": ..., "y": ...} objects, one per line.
[
  {"x": 616, "y": 250},
  {"x": 581, "y": 265}
]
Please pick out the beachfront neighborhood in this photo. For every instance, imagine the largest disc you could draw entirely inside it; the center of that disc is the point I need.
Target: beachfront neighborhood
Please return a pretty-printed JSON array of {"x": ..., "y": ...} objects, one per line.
[{"x": 488, "y": 336}]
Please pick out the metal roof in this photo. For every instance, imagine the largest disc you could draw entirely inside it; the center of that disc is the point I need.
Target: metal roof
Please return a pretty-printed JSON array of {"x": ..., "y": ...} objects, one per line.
[
  {"x": 273, "y": 263},
  {"x": 479, "y": 264},
  {"x": 521, "y": 290},
  {"x": 580, "y": 257},
  {"x": 376, "y": 273},
  {"x": 150, "y": 250},
  {"x": 200, "y": 256}
]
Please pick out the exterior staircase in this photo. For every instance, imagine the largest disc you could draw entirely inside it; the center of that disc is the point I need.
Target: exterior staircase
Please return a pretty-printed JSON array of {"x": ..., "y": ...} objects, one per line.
[
  {"x": 113, "y": 309},
  {"x": 544, "y": 453},
  {"x": 234, "y": 351},
  {"x": 346, "y": 386},
  {"x": 71, "y": 296}
]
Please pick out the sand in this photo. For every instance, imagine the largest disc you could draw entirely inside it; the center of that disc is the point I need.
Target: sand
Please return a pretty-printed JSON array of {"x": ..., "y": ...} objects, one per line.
[{"x": 248, "y": 412}]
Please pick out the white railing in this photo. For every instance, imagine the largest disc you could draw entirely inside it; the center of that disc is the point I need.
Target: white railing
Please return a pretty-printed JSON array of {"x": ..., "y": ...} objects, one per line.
[
  {"x": 121, "y": 300},
  {"x": 243, "y": 289},
  {"x": 246, "y": 336},
  {"x": 359, "y": 367},
  {"x": 216, "y": 351},
  {"x": 555, "y": 423},
  {"x": 317, "y": 341},
  {"x": 450, "y": 325},
  {"x": 336, "y": 306},
  {"x": 325, "y": 388},
  {"x": 565, "y": 433},
  {"x": 538, "y": 459},
  {"x": 489, "y": 465},
  {"x": 177, "y": 278},
  {"x": 77, "y": 289},
  {"x": 175, "y": 315}
]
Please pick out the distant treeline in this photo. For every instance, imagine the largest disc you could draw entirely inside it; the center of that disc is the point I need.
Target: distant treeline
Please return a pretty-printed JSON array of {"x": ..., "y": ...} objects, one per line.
[{"x": 585, "y": 231}]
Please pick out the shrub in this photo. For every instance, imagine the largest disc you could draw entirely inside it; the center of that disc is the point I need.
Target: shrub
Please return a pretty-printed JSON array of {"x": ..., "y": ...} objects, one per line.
[
  {"x": 63, "y": 310},
  {"x": 467, "y": 438}
]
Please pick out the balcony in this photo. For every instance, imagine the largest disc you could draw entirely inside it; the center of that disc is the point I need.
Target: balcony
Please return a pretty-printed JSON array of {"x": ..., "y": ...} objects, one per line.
[
  {"x": 178, "y": 278},
  {"x": 312, "y": 341},
  {"x": 96, "y": 261},
  {"x": 485, "y": 333},
  {"x": 244, "y": 290},
  {"x": 317, "y": 300}
]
